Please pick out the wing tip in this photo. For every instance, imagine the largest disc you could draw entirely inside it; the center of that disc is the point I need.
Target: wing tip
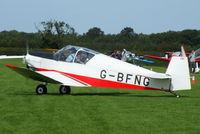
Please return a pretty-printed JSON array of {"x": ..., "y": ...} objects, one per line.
[{"x": 11, "y": 66}]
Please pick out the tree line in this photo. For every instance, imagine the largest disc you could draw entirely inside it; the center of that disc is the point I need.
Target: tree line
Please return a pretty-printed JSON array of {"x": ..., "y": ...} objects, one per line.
[{"x": 56, "y": 34}]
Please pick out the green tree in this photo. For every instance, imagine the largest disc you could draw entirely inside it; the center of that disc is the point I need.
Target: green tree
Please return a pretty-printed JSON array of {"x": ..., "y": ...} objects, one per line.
[
  {"x": 190, "y": 37},
  {"x": 94, "y": 32},
  {"x": 53, "y": 32},
  {"x": 127, "y": 32}
]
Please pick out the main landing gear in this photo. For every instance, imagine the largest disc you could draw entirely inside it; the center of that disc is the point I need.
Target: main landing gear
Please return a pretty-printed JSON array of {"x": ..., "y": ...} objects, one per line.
[
  {"x": 64, "y": 89},
  {"x": 42, "y": 89}
]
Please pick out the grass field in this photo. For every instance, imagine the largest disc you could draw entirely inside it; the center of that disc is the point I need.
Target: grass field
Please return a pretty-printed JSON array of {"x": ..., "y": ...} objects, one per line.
[{"x": 94, "y": 110}]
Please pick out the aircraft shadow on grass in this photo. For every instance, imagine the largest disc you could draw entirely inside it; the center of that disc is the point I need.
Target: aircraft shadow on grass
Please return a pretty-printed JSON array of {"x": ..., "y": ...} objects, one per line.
[
  {"x": 99, "y": 94},
  {"x": 74, "y": 94}
]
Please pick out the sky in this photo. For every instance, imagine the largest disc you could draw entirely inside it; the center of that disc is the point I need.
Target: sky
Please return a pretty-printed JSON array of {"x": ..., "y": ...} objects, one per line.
[{"x": 144, "y": 16}]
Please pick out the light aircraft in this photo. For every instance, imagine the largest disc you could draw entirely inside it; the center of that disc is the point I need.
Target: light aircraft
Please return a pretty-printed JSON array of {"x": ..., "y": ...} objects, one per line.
[
  {"x": 83, "y": 67},
  {"x": 128, "y": 56},
  {"x": 167, "y": 56},
  {"x": 194, "y": 57}
]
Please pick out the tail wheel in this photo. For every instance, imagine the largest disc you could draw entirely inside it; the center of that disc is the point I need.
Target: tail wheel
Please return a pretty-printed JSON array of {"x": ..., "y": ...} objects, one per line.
[
  {"x": 65, "y": 89},
  {"x": 41, "y": 89}
]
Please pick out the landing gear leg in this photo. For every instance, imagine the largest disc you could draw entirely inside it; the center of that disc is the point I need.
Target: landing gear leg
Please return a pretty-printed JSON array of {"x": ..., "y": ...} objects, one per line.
[
  {"x": 41, "y": 89},
  {"x": 65, "y": 89}
]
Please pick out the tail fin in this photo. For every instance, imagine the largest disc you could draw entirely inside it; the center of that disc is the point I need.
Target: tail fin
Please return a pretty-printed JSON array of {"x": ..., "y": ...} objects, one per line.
[{"x": 179, "y": 70}]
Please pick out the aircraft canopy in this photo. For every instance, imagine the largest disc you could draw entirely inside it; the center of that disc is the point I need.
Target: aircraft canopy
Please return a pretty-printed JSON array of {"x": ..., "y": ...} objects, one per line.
[
  {"x": 197, "y": 53},
  {"x": 75, "y": 54}
]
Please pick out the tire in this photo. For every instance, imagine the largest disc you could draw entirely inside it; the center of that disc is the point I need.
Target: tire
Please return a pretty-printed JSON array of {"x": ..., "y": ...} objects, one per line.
[
  {"x": 65, "y": 89},
  {"x": 41, "y": 89}
]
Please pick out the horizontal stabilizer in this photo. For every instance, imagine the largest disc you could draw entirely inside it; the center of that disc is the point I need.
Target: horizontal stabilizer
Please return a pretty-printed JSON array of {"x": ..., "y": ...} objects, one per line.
[{"x": 158, "y": 76}]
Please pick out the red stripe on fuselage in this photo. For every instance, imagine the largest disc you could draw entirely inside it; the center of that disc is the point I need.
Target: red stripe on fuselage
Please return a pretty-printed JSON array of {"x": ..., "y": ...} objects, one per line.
[{"x": 101, "y": 82}]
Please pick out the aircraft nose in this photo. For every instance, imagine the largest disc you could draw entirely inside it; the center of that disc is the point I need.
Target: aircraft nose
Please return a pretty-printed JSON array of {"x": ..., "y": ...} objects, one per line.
[{"x": 26, "y": 60}]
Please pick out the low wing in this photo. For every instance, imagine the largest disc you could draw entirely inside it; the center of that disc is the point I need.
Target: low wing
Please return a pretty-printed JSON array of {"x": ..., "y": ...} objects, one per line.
[
  {"x": 142, "y": 60},
  {"x": 32, "y": 74},
  {"x": 10, "y": 57},
  {"x": 49, "y": 76},
  {"x": 63, "y": 78},
  {"x": 156, "y": 57}
]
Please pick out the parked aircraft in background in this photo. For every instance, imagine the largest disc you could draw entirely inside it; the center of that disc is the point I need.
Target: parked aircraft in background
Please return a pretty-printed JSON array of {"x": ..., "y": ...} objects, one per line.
[
  {"x": 82, "y": 67},
  {"x": 128, "y": 56},
  {"x": 194, "y": 58}
]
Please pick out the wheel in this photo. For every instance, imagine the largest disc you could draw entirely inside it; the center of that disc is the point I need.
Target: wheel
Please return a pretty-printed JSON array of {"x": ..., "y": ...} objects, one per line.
[
  {"x": 178, "y": 96},
  {"x": 65, "y": 89},
  {"x": 41, "y": 89}
]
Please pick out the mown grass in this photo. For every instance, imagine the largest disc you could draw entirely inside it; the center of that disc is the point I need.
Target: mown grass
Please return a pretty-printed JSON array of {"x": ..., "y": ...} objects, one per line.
[{"x": 94, "y": 110}]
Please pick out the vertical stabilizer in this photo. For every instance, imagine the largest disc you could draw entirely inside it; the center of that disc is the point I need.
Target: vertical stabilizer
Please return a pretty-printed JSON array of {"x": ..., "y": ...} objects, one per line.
[{"x": 179, "y": 70}]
